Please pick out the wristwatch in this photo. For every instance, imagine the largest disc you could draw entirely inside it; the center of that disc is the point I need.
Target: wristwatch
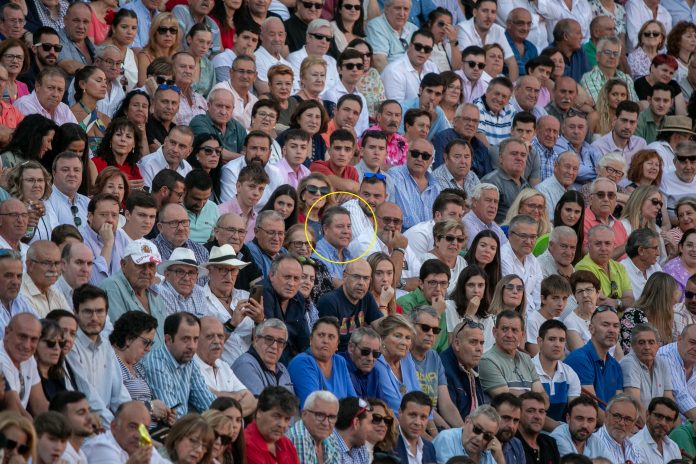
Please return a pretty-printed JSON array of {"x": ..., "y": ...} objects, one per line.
[
  {"x": 401, "y": 283},
  {"x": 403, "y": 252}
]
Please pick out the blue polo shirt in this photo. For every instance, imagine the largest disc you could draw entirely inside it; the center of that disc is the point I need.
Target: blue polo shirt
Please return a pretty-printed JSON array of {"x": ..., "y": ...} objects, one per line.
[
  {"x": 530, "y": 51},
  {"x": 605, "y": 376}
]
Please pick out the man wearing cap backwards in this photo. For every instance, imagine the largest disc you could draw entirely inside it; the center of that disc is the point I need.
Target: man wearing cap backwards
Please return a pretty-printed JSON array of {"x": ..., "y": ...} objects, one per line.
[
  {"x": 131, "y": 288},
  {"x": 179, "y": 290},
  {"x": 674, "y": 130},
  {"x": 231, "y": 306}
]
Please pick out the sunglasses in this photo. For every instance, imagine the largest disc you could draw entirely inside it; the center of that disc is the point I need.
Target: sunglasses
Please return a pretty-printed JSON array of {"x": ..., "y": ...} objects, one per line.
[
  {"x": 603, "y": 195},
  {"x": 420, "y": 154},
  {"x": 422, "y": 48},
  {"x": 310, "y": 5},
  {"x": 169, "y": 87},
  {"x": 488, "y": 436},
  {"x": 364, "y": 406},
  {"x": 428, "y": 328},
  {"x": 684, "y": 159},
  {"x": 352, "y": 66},
  {"x": 313, "y": 189},
  {"x": 378, "y": 418},
  {"x": 573, "y": 112},
  {"x": 11, "y": 444},
  {"x": 476, "y": 64},
  {"x": 519, "y": 288},
  {"x": 209, "y": 151},
  {"x": 47, "y": 47},
  {"x": 325, "y": 38},
  {"x": 225, "y": 440},
  {"x": 161, "y": 80},
  {"x": 375, "y": 175},
  {"x": 689, "y": 295},
  {"x": 366, "y": 352},
  {"x": 452, "y": 239},
  {"x": 351, "y": 7},
  {"x": 163, "y": 30},
  {"x": 52, "y": 343},
  {"x": 306, "y": 260},
  {"x": 76, "y": 219},
  {"x": 656, "y": 202},
  {"x": 652, "y": 34}
]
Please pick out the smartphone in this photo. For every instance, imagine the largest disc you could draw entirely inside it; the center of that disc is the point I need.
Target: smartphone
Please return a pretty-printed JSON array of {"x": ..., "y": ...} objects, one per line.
[{"x": 256, "y": 292}]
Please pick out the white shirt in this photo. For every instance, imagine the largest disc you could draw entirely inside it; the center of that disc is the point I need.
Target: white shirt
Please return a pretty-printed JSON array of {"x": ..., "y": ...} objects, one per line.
[
  {"x": 552, "y": 191},
  {"x": 230, "y": 174},
  {"x": 222, "y": 62},
  {"x": 637, "y": 13},
  {"x": 534, "y": 321},
  {"x": 637, "y": 278},
  {"x": 413, "y": 458},
  {"x": 71, "y": 456},
  {"x": 664, "y": 149},
  {"x": 615, "y": 452},
  {"x": 103, "y": 449},
  {"x": 264, "y": 61},
  {"x": 239, "y": 341},
  {"x": 553, "y": 11},
  {"x": 23, "y": 248},
  {"x": 420, "y": 237},
  {"x": 402, "y": 81},
  {"x": 27, "y": 375},
  {"x": 153, "y": 163},
  {"x": 675, "y": 189},
  {"x": 219, "y": 377},
  {"x": 295, "y": 59},
  {"x": 537, "y": 33},
  {"x": 242, "y": 112},
  {"x": 529, "y": 271},
  {"x": 563, "y": 374},
  {"x": 467, "y": 34},
  {"x": 645, "y": 443},
  {"x": 339, "y": 90},
  {"x": 359, "y": 221}
]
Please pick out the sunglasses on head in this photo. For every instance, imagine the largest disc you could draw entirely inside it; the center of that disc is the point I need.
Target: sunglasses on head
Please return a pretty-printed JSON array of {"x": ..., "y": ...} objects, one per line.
[
  {"x": 53, "y": 343},
  {"x": 364, "y": 406},
  {"x": 420, "y": 154},
  {"x": 378, "y": 418},
  {"x": 375, "y": 175},
  {"x": 352, "y": 66},
  {"x": 48, "y": 46},
  {"x": 366, "y": 352},
  {"x": 225, "y": 440},
  {"x": 163, "y": 30},
  {"x": 603, "y": 309},
  {"x": 313, "y": 189},
  {"x": 476, "y": 64},
  {"x": 488, "y": 436},
  {"x": 422, "y": 48},
  {"x": 452, "y": 238},
  {"x": 428, "y": 328},
  {"x": 161, "y": 80},
  {"x": 169, "y": 87},
  {"x": 470, "y": 323}
]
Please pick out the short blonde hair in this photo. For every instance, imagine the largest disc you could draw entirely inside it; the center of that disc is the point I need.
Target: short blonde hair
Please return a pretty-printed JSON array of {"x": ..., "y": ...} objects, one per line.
[
  {"x": 393, "y": 322},
  {"x": 522, "y": 197},
  {"x": 312, "y": 61},
  {"x": 12, "y": 419}
]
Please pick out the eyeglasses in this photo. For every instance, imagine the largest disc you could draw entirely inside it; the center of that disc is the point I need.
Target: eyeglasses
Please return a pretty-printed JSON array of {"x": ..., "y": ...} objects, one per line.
[
  {"x": 475, "y": 64},
  {"x": 33, "y": 180},
  {"x": 420, "y": 154},
  {"x": 273, "y": 233},
  {"x": 11, "y": 444},
  {"x": 375, "y": 175},
  {"x": 477, "y": 430},
  {"x": 615, "y": 172},
  {"x": 233, "y": 230},
  {"x": 378, "y": 419},
  {"x": 652, "y": 33},
  {"x": 519, "y": 288},
  {"x": 428, "y": 328},
  {"x": 582, "y": 291},
  {"x": 619, "y": 418},
  {"x": 268, "y": 340},
  {"x": 352, "y": 66},
  {"x": 210, "y": 151},
  {"x": 422, "y": 48},
  {"x": 161, "y": 80},
  {"x": 301, "y": 244},
  {"x": 146, "y": 341},
  {"x": 16, "y": 216},
  {"x": 13, "y": 57},
  {"x": 390, "y": 220},
  {"x": 111, "y": 63},
  {"x": 365, "y": 352},
  {"x": 48, "y": 46},
  {"x": 325, "y": 38},
  {"x": 436, "y": 283},
  {"x": 48, "y": 264},
  {"x": 525, "y": 237},
  {"x": 169, "y": 87},
  {"x": 351, "y": 7},
  {"x": 264, "y": 115},
  {"x": 224, "y": 270},
  {"x": 52, "y": 343},
  {"x": 321, "y": 417},
  {"x": 77, "y": 220},
  {"x": 603, "y": 195},
  {"x": 163, "y": 30},
  {"x": 181, "y": 273},
  {"x": 313, "y": 189},
  {"x": 15, "y": 21},
  {"x": 176, "y": 224},
  {"x": 452, "y": 238},
  {"x": 612, "y": 53},
  {"x": 310, "y": 5},
  {"x": 656, "y": 202},
  {"x": 603, "y": 309},
  {"x": 225, "y": 440}
]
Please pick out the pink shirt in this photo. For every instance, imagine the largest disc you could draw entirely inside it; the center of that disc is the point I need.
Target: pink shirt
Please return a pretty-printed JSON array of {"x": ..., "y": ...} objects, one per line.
[
  {"x": 232, "y": 206},
  {"x": 619, "y": 230},
  {"x": 30, "y": 104},
  {"x": 289, "y": 176}
]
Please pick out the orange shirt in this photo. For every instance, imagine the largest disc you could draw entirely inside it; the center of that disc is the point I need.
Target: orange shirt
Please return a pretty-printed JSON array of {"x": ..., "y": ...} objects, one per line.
[{"x": 9, "y": 115}]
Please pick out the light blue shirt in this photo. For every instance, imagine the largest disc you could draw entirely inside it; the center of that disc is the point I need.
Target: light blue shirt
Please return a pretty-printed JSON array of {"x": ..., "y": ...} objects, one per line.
[
  {"x": 680, "y": 11},
  {"x": 59, "y": 204},
  {"x": 186, "y": 22},
  {"x": 101, "y": 270},
  {"x": 438, "y": 125},
  {"x": 144, "y": 22},
  {"x": 565, "y": 443},
  {"x": 416, "y": 206},
  {"x": 390, "y": 389},
  {"x": 307, "y": 377},
  {"x": 386, "y": 41},
  {"x": 683, "y": 389},
  {"x": 448, "y": 444},
  {"x": 588, "y": 157},
  {"x": 329, "y": 251},
  {"x": 202, "y": 223}
]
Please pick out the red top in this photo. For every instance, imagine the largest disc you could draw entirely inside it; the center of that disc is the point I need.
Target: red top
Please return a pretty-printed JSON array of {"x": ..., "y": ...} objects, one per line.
[
  {"x": 226, "y": 34},
  {"x": 323, "y": 166},
  {"x": 258, "y": 453},
  {"x": 132, "y": 172}
]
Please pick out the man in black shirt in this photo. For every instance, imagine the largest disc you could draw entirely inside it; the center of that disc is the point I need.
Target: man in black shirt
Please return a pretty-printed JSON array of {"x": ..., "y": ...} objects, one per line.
[
  {"x": 538, "y": 447},
  {"x": 296, "y": 26}
]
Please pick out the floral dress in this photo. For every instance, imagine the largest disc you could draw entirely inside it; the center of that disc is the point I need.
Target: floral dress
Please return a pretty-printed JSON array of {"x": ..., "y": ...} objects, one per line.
[
  {"x": 371, "y": 86},
  {"x": 619, "y": 15},
  {"x": 639, "y": 62},
  {"x": 675, "y": 267},
  {"x": 631, "y": 317}
]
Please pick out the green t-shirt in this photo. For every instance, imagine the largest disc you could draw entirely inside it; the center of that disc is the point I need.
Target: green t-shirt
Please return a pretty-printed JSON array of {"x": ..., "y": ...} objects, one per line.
[{"x": 497, "y": 369}]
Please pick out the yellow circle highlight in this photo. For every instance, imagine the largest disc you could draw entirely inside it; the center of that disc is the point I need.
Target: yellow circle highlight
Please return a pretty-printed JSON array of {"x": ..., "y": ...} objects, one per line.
[{"x": 374, "y": 236}]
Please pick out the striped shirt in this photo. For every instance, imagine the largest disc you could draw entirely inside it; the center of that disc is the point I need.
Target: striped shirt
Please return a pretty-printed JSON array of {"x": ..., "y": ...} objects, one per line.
[
  {"x": 594, "y": 80},
  {"x": 496, "y": 127},
  {"x": 416, "y": 206},
  {"x": 176, "y": 384},
  {"x": 616, "y": 452},
  {"x": 174, "y": 302},
  {"x": 135, "y": 382},
  {"x": 683, "y": 389},
  {"x": 446, "y": 180},
  {"x": 348, "y": 455},
  {"x": 166, "y": 248},
  {"x": 305, "y": 445}
]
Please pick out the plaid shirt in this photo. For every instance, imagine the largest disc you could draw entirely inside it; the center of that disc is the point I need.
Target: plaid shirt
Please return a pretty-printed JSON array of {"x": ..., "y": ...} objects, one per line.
[
  {"x": 547, "y": 158},
  {"x": 350, "y": 455},
  {"x": 45, "y": 14},
  {"x": 594, "y": 80},
  {"x": 166, "y": 248},
  {"x": 196, "y": 303},
  {"x": 305, "y": 445}
]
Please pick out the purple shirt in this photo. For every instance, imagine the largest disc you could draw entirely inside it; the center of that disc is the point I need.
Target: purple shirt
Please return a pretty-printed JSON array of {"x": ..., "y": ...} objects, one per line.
[
  {"x": 100, "y": 270},
  {"x": 29, "y": 104},
  {"x": 605, "y": 144}
]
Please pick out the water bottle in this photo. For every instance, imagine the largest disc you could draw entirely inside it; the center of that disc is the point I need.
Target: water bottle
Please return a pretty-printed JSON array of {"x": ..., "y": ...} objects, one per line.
[{"x": 31, "y": 230}]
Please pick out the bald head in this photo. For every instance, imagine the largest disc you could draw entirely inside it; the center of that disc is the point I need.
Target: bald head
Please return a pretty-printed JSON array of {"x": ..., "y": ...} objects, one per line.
[
  {"x": 77, "y": 261},
  {"x": 360, "y": 266},
  {"x": 389, "y": 217},
  {"x": 21, "y": 337}
]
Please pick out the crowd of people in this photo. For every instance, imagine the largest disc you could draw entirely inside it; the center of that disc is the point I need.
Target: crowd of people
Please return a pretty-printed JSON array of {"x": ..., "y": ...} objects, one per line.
[{"x": 346, "y": 232}]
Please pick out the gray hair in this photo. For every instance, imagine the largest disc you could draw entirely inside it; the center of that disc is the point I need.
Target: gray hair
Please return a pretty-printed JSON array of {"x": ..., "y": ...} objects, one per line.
[
  {"x": 572, "y": 154},
  {"x": 317, "y": 24},
  {"x": 272, "y": 323},
  {"x": 389, "y": 2},
  {"x": 561, "y": 231},
  {"x": 640, "y": 238},
  {"x": 522, "y": 219},
  {"x": 476, "y": 194},
  {"x": 11, "y": 255},
  {"x": 603, "y": 42},
  {"x": 101, "y": 49},
  {"x": 423, "y": 309},
  {"x": 361, "y": 332},
  {"x": 268, "y": 215},
  {"x": 486, "y": 410},
  {"x": 612, "y": 156},
  {"x": 319, "y": 395},
  {"x": 601, "y": 179},
  {"x": 686, "y": 147},
  {"x": 599, "y": 228},
  {"x": 639, "y": 329},
  {"x": 624, "y": 398},
  {"x": 218, "y": 89},
  {"x": 514, "y": 139},
  {"x": 460, "y": 109},
  {"x": 271, "y": 19}
]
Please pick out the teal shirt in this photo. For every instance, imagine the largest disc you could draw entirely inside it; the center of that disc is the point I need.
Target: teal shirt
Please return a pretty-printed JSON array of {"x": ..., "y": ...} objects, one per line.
[
  {"x": 206, "y": 79},
  {"x": 202, "y": 224},
  {"x": 591, "y": 52},
  {"x": 122, "y": 299},
  {"x": 232, "y": 139},
  {"x": 647, "y": 127},
  {"x": 685, "y": 437}
]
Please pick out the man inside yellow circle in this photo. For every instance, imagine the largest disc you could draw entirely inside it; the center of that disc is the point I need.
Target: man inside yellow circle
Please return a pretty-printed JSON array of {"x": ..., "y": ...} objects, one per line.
[{"x": 338, "y": 233}]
